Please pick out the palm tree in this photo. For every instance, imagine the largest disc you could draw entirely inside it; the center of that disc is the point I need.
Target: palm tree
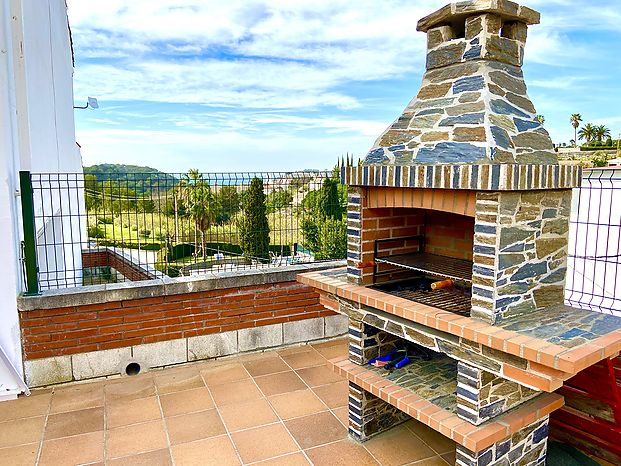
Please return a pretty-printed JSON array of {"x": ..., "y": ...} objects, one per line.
[
  {"x": 201, "y": 205},
  {"x": 575, "y": 120},
  {"x": 601, "y": 132},
  {"x": 587, "y": 132},
  {"x": 541, "y": 119}
]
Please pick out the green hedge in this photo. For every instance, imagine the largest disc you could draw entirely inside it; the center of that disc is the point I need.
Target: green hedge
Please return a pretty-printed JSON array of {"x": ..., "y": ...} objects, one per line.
[
  {"x": 179, "y": 251},
  {"x": 130, "y": 245},
  {"x": 593, "y": 147}
]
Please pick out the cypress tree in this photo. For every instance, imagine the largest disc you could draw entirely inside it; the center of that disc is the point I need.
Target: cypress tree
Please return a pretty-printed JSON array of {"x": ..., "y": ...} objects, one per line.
[{"x": 254, "y": 228}]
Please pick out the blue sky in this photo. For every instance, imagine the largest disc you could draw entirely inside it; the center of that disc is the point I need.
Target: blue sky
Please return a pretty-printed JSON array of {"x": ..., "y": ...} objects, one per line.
[{"x": 284, "y": 85}]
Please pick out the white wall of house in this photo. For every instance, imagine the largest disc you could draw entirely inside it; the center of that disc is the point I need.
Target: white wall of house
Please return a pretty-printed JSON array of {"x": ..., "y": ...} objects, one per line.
[{"x": 37, "y": 133}]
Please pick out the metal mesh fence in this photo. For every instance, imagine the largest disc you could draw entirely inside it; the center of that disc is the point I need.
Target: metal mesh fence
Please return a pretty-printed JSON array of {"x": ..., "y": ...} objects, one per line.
[
  {"x": 109, "y": 227},
  {"x": 594, "y": 262}
]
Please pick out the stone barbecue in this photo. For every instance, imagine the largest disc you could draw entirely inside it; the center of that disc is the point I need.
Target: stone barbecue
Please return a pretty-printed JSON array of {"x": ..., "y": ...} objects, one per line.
[{"x": 464, "y": 186}]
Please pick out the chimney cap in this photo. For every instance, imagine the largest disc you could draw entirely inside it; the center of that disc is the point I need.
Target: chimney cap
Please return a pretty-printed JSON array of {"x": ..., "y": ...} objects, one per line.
[{"x": 453, "y": 12}]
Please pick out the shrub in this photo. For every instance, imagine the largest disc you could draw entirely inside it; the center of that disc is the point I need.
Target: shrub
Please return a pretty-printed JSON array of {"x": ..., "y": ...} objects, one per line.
[
  {"x": 599, "y": 159},
  {"x": 130, "y": 245},
  {"x": 134, "y": 228},
  {"x": 94, "y": 231},
  {"x": 254, "y": 228},
  {"x": 144, "y": 233},
  {"x": 160, "y": 236},
  {"x": 105, "y": 220},
  {"x": 278, "y": 199},
  {"x": 332, "y": 239}
]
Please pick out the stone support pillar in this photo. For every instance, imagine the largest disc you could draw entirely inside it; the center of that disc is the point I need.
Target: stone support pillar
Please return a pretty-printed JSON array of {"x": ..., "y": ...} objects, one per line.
[
  {"x": 354, "y": 243},
  {"x": 370, "y": 415},
  {"x": 482, "y": 395},
  {"x": 528, "y": 446},
  {"x": 367, "y": 342}
]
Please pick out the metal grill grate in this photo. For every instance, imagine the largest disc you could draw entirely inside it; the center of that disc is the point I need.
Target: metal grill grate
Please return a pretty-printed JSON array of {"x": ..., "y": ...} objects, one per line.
[
  {"x": 452, "y": 300},
  {"x": 439, "y": 266}
]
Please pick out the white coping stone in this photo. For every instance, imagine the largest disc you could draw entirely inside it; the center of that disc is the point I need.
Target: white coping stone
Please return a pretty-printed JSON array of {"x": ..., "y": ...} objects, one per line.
[
  {"x": 267, "y": 336},
  {"x": 336, "y": 325},
  {"x": 303, "y": 330},
  {"x": 212, "y": 346},
  {"x": 48, "y": 371},
  {"x": 162, "y": 353},
  {"x": 98, "y": 363}
]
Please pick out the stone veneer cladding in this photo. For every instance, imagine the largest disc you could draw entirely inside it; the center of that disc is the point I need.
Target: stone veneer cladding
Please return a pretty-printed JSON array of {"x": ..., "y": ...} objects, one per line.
[
  {"x": 526, "y": 447},
  {"x": 520, "y": 252},
  {"x": 472, "y": 106},
  {"x": 370, "y": 415},
  {"x": 482, "y": 395}
]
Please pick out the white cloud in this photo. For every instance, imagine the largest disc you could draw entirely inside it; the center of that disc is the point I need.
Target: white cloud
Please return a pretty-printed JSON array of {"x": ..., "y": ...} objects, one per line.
[
  {"x": 271, "y": 64},
  {"x": 212, "y": 152}
]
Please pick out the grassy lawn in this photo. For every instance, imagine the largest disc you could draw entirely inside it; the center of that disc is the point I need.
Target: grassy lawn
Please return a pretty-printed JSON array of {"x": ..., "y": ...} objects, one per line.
[{"x": 126, "y": 228}]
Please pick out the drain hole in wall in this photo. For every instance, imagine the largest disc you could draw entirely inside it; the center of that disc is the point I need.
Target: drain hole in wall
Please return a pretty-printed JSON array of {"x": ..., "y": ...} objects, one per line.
[{"x": 133, "y": 368}]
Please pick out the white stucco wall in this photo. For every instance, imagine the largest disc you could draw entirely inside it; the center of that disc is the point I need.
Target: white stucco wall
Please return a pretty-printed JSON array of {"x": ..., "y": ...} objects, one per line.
[{"x": 37, "y": 131}]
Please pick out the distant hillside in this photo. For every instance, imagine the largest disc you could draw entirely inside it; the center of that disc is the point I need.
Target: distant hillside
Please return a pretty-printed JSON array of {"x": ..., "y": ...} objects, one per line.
[{"x": 140, "y": 179}]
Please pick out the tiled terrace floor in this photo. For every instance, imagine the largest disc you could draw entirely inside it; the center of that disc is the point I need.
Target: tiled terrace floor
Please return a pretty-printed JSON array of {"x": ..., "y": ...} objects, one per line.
[{"x": 279, "y": 408}]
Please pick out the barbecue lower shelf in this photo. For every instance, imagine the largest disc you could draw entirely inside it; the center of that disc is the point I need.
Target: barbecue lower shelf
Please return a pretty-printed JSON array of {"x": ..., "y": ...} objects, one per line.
[
  {"x": 435, "y": 407},
  {"x": 432, "y": 264}
]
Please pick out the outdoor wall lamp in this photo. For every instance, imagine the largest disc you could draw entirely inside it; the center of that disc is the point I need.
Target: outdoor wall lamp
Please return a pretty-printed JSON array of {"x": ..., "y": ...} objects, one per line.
[{"x": 91, "y": 102}]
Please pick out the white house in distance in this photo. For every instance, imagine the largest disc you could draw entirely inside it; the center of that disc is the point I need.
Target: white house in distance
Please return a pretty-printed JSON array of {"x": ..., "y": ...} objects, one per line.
[{"x": 37, "y": 133}]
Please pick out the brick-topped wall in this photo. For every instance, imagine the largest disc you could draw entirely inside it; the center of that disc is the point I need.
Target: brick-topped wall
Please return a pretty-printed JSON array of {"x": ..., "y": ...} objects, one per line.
[
  {"x": 93, "y": 327},
  {"x": 108, "y": 258}
]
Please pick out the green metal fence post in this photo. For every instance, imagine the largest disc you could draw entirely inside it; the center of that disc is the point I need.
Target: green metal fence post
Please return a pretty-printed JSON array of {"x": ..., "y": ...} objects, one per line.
[{"x": 28, "y": 222}]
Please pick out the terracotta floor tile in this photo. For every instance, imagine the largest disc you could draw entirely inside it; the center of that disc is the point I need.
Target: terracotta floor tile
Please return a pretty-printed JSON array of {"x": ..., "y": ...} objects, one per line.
[
  {"x": 126, "y": 388},
  {"x": 332, "y": 349},
  {"x": 294, "y": 459},
  {"x": 434, "y": 439},
  {"x": 343, "y": 453},
  {"x": 195, "y": 426},
  {"x": 70, "y": 451},
  {"x": 294, "y": 350},
  {"x": 316, "y": 429},
  {"x": 178, "y": 380},
  {"x": 22, "y": 455},
  {"x": 151, "y": 458},
  {"x": 449, "y": 457},
  {"x": 433, "y": 461},
  {"x": 264, "y": 442},
  {"x": 266, "y": 366},
  {"x": 134, "y": 439},
  {"x": 74, "y": 423},
  {"x": 224, "y": 374},
  {"x": 246, "y": 415},
  {"x": 335, "y": 394},
  {"x": 25, "y": 406},
  {"x": 320, "y": 375},
  {"x": 296, "y": 404},
  {"x": 187, "y": 401},
  {"x": 240, "y": 391},
  {"x": 304, "y": 359},
  {"x": 398, "y": 446},
  {"x": 21, "y": 431},
  {"x": 132, "y": 412},
  {"x": 78, "y": 397},
  {"x": 215, "y": 451},
  {"x": 342, "y": 414},
  {"x": 282, "y": 382}
]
